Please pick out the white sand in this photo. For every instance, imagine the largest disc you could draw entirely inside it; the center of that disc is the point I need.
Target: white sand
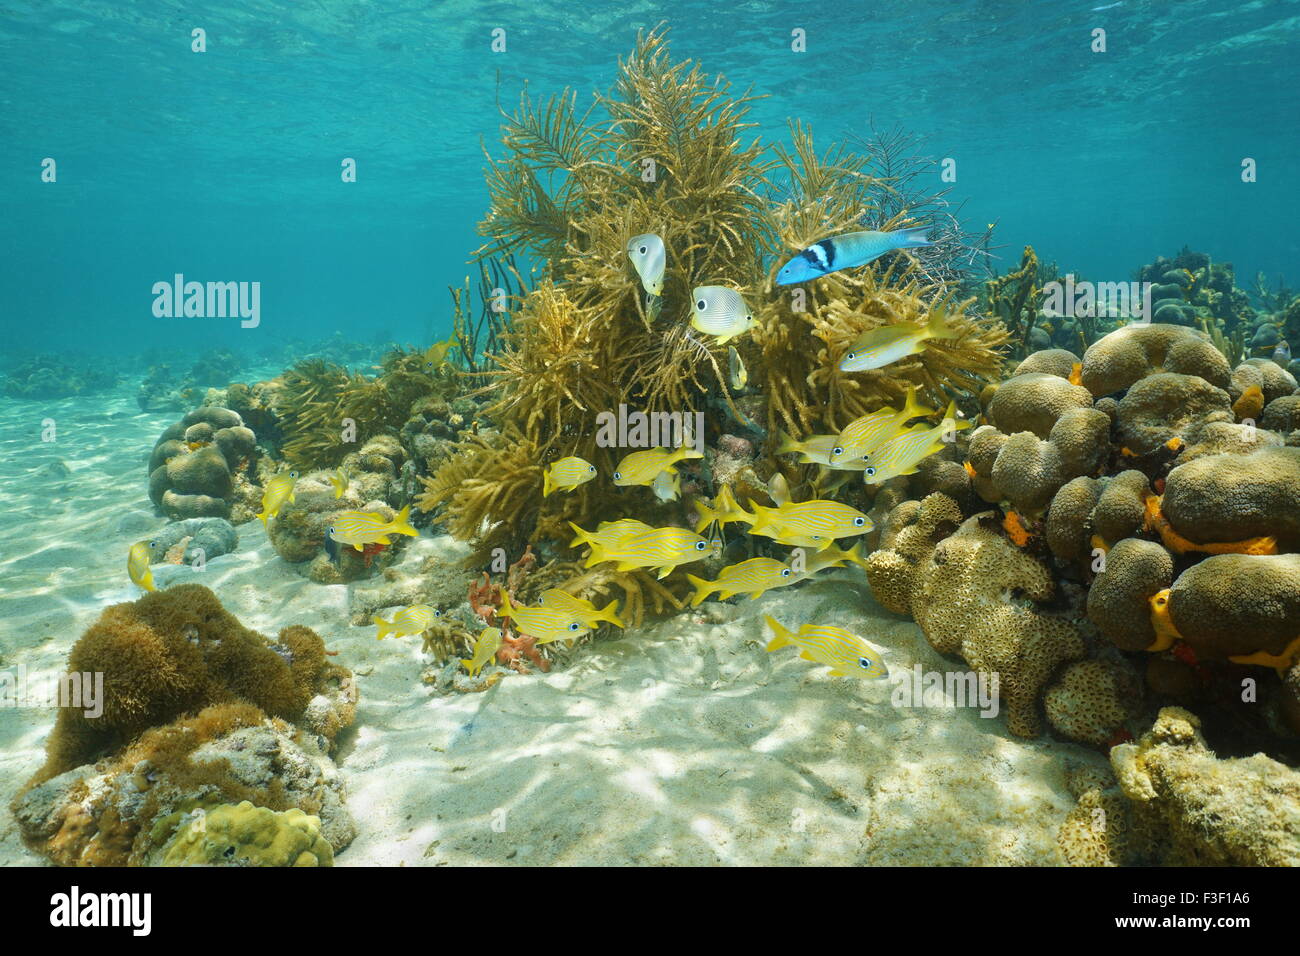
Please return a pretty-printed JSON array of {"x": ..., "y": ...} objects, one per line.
[{"x": 681, "y": 743}]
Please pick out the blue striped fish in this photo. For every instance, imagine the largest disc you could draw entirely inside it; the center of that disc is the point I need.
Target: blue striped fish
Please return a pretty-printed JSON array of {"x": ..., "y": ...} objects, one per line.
[
  {"x": 846, "y": 654},
  {"x": 848, "y": 251}
]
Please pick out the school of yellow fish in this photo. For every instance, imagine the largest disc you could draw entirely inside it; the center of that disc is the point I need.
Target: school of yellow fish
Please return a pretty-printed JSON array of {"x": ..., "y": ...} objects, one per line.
[{"x": 881, "y": 445}]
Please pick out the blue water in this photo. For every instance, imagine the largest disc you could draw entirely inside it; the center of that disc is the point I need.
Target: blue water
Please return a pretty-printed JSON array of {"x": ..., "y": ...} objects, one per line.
[{"x": 225, "y": 165}]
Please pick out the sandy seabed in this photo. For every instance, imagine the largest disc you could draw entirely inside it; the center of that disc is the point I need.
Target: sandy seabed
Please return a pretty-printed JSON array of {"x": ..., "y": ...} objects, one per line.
[{"x": 682, "y": 742}]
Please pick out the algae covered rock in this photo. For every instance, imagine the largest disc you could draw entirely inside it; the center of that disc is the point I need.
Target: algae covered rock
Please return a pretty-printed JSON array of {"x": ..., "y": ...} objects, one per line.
[
  {"x": 245, "y": 835},
  {"x": 1211, "y": 812}
]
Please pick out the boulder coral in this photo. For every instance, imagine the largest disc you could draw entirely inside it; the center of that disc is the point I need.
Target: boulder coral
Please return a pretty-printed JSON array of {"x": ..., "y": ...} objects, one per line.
[
  {"x": 1129, "y": 354},
  {"x": 978, "y": 596},
  {"x": 199, "y": 467},
  {"x": 244, "y": 835},
  {"x": 1240, "y": 606},
  {"x": 1227, "y": 497}
]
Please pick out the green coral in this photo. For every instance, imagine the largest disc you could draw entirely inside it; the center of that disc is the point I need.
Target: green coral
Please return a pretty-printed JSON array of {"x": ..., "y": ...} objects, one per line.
[{"x": 244, "y": 835}]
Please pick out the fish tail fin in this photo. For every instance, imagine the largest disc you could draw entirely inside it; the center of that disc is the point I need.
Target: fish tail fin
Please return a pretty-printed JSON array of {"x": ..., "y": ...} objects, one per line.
[
  {"x": 262, "y": 517},
  {"x": 950, "y": 415},
  {"x": 401, "y": 524},
  {"x": 610, "y": 613},
  {"x": 385, "y": 627},
  {"x": 912, "y": 408},
  {"x": 580, "y": 537},
  {"x": 937, "y": 327},
  {"x": 785, "y": 444},
  {"x": 468, "y": 665},
  {"x": 505, "y": 610},
  {"x": 707, "y": 516},
  {"x": 911, "y": 237},
  {"x": 702, "y": 589},
  {"x": 782, "y": 638},
  {"x": 547, "y": 486},
  {"x": 854, "y": 554}
]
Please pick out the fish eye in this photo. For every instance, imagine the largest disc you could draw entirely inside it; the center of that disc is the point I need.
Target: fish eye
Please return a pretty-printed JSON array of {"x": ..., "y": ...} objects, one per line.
[
  {"x": 618, "y": 475},
  {"x": 331, "y": 531},
  {"x": 642, "y": 250},
  {"x": 701, "y": 305},
  {"x": 852, "y": 355},
  {"x": 592, "y": 469},
  {"x": 837, "y": 450},
  {"x": 293, "y": 474},
  {"x": 866, "y": 664},
  {"x": 153, "y": 544},
  {"x": 870, "y": 472},
  {"x": 859, "y": 522},
  {"x": 785, "y": 572},
  {"x": 573, "y": 625},
  {"x": 699, "y": 545}
]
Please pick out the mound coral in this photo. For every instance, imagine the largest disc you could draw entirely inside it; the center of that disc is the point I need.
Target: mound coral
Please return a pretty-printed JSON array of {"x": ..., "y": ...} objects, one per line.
[
  {"x": 979, "y": 596},
  {"x": 200, "y": 467}
]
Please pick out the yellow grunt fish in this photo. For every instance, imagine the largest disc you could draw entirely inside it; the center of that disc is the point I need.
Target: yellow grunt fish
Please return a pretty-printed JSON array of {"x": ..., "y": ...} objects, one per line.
[
  {"x": 545, "y": 624},
  {"x": 608, "y": 532},
  {"x": 360, "y": 528},
  {"x": 278, "y": 490},
  {"x": 815, "y": 450},
  {"x": 566, "y": 474},
  {"x": 662, "y": 548},
  {"x": 889, "y": 343},
  {"x": 864, "y": 435},
  {"x": 902, "y": 455},
  {"x": 415, "y": 619},
  {"x": 340, "y": 483},
  {"x": 831, "y": 557},
  {"x": 488, "y": 643},
  {"x": 751, "y": 577},
  {"x": 581, "y": 608},
  {"x": 137, "y": 564},
  {"x": 643, "y": 467},
  {"x": 845, "y": 653},
  {"x": 724, "y": 509},
  {"x": 815, "y": 523}
]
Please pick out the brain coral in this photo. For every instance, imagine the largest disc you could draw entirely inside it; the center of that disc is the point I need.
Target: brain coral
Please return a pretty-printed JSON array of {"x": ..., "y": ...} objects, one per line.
[
  {"x": 1060, "y": 362},
  {"x": 910, "y": 533},
  {"x": 198, "y": 466},
  {"x": 1117, "y": 360},
  {"x": 1134, "y": 571},
  {"x": 1239, "y": 604},
  {"x": 1224, "y": 498},
  {"x": 1165, "y": 406},
  {"x": 977, "y": 595},
  {"x": 1033, "y": 402},
  {"x": 1212, "y": 812},
  {"x": 245, "y": 835},
  {"x": 174, "y": 652}
]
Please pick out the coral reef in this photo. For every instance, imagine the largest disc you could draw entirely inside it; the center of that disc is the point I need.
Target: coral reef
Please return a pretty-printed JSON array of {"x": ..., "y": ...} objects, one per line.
[{"x": 55, "y": 376}]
